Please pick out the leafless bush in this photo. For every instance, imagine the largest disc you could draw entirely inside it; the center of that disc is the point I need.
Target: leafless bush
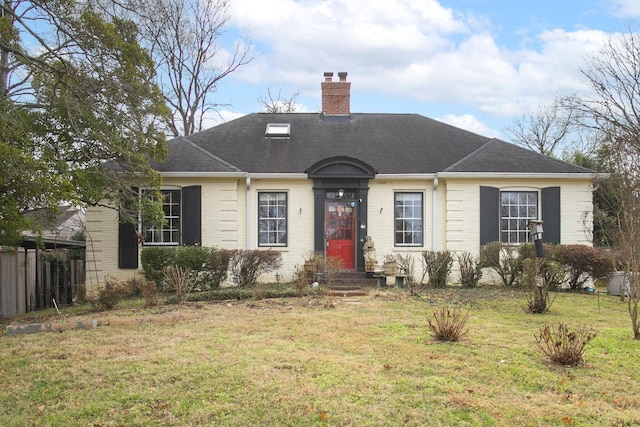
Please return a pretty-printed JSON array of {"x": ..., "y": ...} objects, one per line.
[
  {"x": 538, "y": 277},
  {"x": 470, "y": 270},
  {"x": 406, "y": 264},
  {"x": 300, "y": 280},
  {"x": 248, "y": 265},
  {"x": 504, "y": 260},
  {"x": 110, "y": 295},
  {"x": 149, "y": 292},
  {"x": 448, "y": 324},
  {"x": 438, "y": 266},
  {"x": 563, "y": 346},
  {"x": 180, "y": 280},
  {"x": 329, "y": 267}
]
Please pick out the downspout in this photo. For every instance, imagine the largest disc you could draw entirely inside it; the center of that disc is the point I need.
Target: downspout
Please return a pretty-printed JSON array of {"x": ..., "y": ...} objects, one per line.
[
  {"x": 248, "y": 212},
  {"x": 434, "y": 215}
]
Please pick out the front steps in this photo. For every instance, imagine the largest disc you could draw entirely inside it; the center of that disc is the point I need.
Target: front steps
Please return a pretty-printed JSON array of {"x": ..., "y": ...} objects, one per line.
[{"x": 351, "y": 283}]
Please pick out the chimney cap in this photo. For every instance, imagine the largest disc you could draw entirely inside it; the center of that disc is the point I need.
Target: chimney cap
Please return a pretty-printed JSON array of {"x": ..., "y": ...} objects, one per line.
[
  {"x": 328, "y": 76},
  {"x": 343, "y": 76}
]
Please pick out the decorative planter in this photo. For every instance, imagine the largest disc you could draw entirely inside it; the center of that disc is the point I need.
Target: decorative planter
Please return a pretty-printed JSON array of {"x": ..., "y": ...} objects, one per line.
[
  {"x": 390, "y": 268},
  {"x": 370, "y": 265}
]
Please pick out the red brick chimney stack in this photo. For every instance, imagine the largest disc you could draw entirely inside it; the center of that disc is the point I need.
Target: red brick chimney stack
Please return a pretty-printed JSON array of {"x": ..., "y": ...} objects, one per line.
[{"x": 336, "y": 96}]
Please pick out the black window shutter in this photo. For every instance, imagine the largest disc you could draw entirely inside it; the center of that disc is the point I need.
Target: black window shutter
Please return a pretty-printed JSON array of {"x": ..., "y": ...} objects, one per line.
[
  {"x": 489, "y": 215},
  {"x": 191, "y": 216},
  {"x": 127, "y": 246},
  {"x": 551, "y": 214}
]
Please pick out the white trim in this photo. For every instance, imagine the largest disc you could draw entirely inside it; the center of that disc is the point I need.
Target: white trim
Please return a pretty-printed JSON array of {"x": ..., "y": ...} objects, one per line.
[
  {"x": 517, "y": 175},
  {"x": 279, "y": 176},
  {"x": 407, "y": 176},
  {"x": 204, "y": 174}
]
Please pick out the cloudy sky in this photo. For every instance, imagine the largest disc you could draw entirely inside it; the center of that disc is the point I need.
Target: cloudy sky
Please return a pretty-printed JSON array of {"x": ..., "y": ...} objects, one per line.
[{"x": 476, "y": 64}]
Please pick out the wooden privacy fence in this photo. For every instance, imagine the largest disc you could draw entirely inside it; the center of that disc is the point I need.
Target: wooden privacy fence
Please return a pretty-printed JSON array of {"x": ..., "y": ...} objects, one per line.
[{"x": 28, "y": 283}]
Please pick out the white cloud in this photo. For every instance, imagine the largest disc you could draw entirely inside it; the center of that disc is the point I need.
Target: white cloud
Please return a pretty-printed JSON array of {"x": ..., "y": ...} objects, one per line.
[
  {"x": 626, "y": 8},
  {"x": 470, "y": 123},
  {"x": 416, "y": 49},
  {"x": 213, "y": 118}
]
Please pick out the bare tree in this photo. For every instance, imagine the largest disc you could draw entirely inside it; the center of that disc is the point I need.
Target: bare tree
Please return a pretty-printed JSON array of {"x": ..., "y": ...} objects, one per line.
[
  {"x": 278, "y": 103},
  {"x": 184, "y": 39},
  {"x": 543, "y": 131},
  {"x": 614, "y": 111}
]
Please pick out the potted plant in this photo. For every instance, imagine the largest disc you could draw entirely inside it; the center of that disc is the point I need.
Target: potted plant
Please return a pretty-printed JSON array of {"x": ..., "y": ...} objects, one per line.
[{"x": 390, "y": 266}]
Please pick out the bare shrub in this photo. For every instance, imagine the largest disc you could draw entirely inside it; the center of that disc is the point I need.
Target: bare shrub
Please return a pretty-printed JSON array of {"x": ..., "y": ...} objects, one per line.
[
  {"x": 180, "y": 280},
  {"x": 149, "y": 292},
  {"x": 448, "y": 324},
  {"x": 248, "y": 265},
  {"x": 300, "y": 280},
  {"x": 406, "y": 264},
  {"x": 329, "y": 267},
  {"x": 470, "y": 270},
  {"x": 438, "y": 266},
  {"x": 110, "y": 295},
  {"x": 563, "y": 346},
  {"x": 132, "y": 287},
  {"x": 539, "y": 276},
  {"x": 504, "y": 260}
]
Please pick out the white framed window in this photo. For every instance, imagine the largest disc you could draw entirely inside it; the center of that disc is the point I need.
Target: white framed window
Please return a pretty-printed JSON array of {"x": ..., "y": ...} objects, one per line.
[
  {"x": 169, "y": 232},
  {"x": 517, "y": 209},
  {"x": 272, "y": 219},
  {"x": 408, "y": 209}
]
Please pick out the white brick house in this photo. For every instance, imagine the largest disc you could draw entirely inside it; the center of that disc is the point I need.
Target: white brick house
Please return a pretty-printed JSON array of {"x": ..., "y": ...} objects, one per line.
[{"x": 298, "y": 182}]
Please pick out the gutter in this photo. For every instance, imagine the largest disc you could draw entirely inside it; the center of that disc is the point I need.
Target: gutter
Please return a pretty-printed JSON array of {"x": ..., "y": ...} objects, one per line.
[
  {"x": 248, "y": 210},
  {"x": 517, "y": 175},
  {"x": 434, "y": 215},
  {"x": 204, "y": 174}
]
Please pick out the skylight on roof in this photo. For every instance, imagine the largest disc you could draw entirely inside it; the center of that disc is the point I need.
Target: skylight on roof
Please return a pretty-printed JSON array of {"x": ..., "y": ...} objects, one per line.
[{"x": 278, "y": 130}]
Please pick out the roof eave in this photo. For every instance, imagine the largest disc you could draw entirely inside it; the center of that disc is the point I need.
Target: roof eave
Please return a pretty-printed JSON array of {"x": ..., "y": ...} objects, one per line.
[
  {"x": 405, "y": 176},
  {"x": 204, "y": 174},
  {"x": 519, "y": 175}
]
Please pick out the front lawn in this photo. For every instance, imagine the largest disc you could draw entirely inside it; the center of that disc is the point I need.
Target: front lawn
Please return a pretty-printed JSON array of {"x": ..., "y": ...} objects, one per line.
[{"x": 369, "y": 361}]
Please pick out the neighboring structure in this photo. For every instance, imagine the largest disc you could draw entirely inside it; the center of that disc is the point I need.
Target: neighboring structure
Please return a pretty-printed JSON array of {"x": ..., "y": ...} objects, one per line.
[
  {"x": 69, "y": 221},
  {"x": 298, "y": 182}
]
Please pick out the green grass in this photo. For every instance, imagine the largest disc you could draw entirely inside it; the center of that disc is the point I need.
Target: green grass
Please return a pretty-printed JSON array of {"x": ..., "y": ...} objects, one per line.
[{"x": 369, "y": 361}]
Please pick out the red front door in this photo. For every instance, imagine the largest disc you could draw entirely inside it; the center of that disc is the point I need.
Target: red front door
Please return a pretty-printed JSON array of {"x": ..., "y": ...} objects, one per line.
[{"x": 340, "y": 231}]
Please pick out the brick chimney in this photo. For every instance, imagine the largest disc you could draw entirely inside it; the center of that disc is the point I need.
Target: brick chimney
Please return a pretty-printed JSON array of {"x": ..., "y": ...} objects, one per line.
[{"x": 336, "y": 96}]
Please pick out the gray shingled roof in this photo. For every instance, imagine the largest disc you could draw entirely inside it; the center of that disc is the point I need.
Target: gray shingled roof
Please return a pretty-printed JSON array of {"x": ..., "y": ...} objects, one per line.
[
  {"x": 185, "y": 156},
  {"x": 390, "y": 143}
]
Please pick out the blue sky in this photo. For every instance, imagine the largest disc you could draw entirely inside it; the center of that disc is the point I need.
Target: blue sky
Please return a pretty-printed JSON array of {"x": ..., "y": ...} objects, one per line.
[{"x": 476, "y": 64}]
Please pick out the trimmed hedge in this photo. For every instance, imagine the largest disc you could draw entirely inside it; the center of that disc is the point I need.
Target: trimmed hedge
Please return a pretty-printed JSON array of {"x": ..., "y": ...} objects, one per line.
[{"x": 209, "y": 264}]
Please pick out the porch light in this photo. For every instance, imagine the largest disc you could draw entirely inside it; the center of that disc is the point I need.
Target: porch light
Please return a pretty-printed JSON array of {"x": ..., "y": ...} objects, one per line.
[{"x": 340, "y": 193}]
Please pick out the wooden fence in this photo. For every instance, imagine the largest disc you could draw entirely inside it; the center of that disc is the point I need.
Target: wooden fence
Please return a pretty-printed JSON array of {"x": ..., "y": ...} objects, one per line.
[{"x": 28, "y": 283}]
